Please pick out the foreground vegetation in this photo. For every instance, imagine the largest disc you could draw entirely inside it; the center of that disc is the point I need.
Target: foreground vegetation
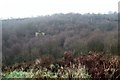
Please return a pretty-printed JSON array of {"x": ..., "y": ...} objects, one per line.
[
  {"x": 90, "y": 66},
  {"x": 73, "y": 72}
]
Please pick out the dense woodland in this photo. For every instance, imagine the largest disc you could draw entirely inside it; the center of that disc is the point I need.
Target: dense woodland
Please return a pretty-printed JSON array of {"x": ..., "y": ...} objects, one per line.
[{"x": 79, "y": 33}]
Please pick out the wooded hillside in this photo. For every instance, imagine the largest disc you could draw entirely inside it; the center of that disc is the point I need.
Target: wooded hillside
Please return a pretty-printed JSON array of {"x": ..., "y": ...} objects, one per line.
[{"x": 29, "y": 38}]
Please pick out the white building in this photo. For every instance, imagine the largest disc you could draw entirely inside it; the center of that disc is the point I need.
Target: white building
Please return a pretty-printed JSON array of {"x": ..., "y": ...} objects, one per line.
[{"x": 39, "y": 34}]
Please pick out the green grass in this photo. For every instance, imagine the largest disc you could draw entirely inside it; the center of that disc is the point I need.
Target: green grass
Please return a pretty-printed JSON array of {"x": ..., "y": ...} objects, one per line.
[{"x": 67, "y": 72}]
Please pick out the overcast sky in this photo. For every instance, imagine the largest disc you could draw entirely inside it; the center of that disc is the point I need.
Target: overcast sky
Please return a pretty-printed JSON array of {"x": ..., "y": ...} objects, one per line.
[{"x": 29, "y": 8}]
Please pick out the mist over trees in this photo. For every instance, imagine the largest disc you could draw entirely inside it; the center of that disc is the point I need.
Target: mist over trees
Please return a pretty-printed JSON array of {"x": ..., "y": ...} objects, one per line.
[{"x": 75, "y": 32}]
